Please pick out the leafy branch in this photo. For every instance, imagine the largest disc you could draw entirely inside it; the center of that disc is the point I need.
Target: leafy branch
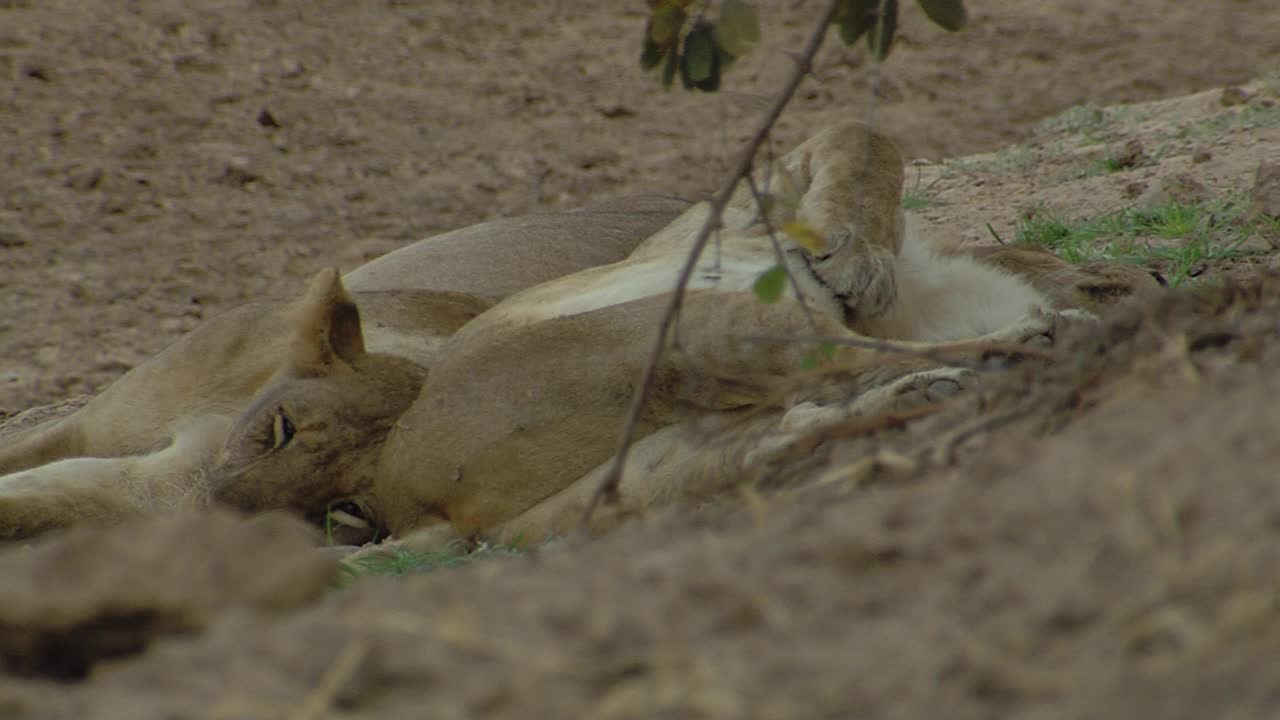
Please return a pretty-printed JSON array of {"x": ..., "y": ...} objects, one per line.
[{"x": 699, "y": 48}]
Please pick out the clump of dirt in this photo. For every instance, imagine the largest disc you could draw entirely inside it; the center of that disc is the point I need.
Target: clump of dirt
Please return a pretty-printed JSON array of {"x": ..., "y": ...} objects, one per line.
[{"x": 96, "y": 594}]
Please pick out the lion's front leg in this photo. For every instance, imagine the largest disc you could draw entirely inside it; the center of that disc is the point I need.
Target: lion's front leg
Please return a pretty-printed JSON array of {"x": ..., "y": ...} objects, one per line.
[
  {"x": 62, "y": 494},
  {"x": 872, "y": 382},
  {"x": 109, "y": 490},
  {"x": 1041, "y": 329}
]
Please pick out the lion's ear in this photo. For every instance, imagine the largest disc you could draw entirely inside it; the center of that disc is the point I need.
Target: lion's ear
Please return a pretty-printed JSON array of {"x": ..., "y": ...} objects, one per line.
[{"x": 326, "y": 326}]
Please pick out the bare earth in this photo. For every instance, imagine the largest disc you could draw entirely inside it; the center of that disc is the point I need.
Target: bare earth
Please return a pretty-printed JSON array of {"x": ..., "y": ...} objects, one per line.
[{"x": 1100, "y": 540}]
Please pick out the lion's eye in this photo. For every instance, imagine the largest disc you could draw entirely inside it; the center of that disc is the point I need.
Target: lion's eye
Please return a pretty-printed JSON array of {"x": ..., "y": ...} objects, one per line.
[
  {"x": 349, "y": 514},
  {"x": 282, "y": 430}
]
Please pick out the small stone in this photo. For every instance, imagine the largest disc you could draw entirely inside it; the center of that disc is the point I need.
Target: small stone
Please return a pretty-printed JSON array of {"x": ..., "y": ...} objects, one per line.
[
  {"x": 290, "y": 68},
  {"x": 84, "y": 180},
  {"x": 267, "y": 120},
  {"x": 1179, "y": 188},
  {"x": 1129, "y": 154},
  {"x": 1232, "y": 96},
  {"x": 1134, "y": 189},
  {"x": 36, "y": 72},
  {"x": 1201, "y": 156},
  {"x": 615, "y": 110},
  {"x": 11, "y": 239},
  {"x": 1265, "y": 195},
  {"x": 1257, "y": 244}
]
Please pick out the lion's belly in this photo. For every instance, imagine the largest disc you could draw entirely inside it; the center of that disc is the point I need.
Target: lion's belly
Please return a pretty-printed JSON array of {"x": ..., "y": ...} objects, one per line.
[{"x": 636, "y": 280}]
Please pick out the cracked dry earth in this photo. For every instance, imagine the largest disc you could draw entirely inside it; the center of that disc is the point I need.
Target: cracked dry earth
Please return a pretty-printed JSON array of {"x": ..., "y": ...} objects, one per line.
[{"x": 1091, "y": 537}]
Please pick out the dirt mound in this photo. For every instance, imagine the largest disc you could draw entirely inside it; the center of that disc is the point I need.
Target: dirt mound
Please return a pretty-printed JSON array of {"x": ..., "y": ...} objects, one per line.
[
  {"x": 1104, "y": 548},
  {"x": 96, "y": 594}
]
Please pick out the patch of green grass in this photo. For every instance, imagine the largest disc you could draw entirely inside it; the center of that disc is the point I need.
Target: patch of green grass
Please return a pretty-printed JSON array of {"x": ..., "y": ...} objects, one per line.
[
  {"x": 1175, "y": 238},
  {"x": 918, "y": 198},
  {"x": 1271, "y": 82},
  {"x": 1016, "y": 157},
  {"x": 1100, "y": 166},
  {"x": 399, "y": 561},
  {"x": 1074, "y": 119},
  {"x": 1096, "y": 124},
  {"x": 1109, "y": 164},
  {"x": 1247, "y": 117}
]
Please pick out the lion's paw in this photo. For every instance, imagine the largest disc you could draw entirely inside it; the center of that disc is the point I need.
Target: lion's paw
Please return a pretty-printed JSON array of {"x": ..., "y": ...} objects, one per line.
[
  {"x": 1041, "y": 329},
  {"x": 914, "y": 390},
  {"x": 861, "y": 276}
]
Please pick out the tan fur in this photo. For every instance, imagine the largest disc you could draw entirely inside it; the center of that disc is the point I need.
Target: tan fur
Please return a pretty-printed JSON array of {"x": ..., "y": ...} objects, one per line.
[
  {"x": 108, "y": 489},
  {"x": 523, "y": 400}
]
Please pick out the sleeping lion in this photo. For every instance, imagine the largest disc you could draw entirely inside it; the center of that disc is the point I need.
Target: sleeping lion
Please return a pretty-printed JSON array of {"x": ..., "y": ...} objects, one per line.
[{"x": 474, "y": 385}]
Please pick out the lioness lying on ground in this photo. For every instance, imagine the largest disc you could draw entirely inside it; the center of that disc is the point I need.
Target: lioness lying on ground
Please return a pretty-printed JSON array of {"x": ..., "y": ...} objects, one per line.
[{"x": 522, "y": 404}]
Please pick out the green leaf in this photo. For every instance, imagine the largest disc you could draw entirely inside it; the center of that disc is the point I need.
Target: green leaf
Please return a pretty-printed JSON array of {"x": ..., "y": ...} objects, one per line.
[
  {"x": 699, "y": 53},
  {"x": 700, "y": 59},
  {"x": 948, "y": 14},
  {"x": 769, "y": 286},
  {"x": 711, "y": 83},
  {"x": 738, "y": 30},
  {"x": 855, "y": 18}
]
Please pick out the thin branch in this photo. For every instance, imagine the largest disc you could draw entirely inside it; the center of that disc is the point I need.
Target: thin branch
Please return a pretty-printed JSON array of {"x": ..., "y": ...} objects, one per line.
[
  {"x": 609, "y": 483},
  {"x": 320, "y": 701},
  {"x": 943, "y": 452}
]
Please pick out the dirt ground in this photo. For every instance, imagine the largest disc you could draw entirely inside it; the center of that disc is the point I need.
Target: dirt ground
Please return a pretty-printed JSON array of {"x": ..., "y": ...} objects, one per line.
[
  {"x": 166, "y": 160},
  {"x": 1092, "y": 538}
]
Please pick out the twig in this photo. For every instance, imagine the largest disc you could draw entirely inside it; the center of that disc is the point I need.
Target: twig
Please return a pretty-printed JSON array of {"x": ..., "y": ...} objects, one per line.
[
  {"x": 944, "y": 451},
  {"x": 939, "y": 352},
  {"x": 321, "y": 699},
  {"x": 608, "y": 486}
]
